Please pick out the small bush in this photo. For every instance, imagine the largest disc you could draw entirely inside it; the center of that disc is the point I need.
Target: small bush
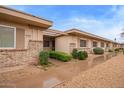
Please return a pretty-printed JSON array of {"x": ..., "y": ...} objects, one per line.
[
  {"x": 75, "y": 53},
  {"x": 110, "y": 50},
  {"x": 117, "y": 49},
  {"x": 85, "y": 54},
  {"x": 43, "y": 58},
  {"x": 81, "y": 55},
  {"x": 60, "y": 56},
  {"x": 98, "y": 51},
  {"x": 123, "y": 50}
]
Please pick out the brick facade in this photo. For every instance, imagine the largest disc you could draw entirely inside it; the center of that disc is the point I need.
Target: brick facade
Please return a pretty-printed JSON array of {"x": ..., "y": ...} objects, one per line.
[{"x": 16, "y": 57}]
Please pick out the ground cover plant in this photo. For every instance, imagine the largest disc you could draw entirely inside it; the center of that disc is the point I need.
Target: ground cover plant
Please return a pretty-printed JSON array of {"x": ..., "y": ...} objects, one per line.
[{"x": 62, "y": 56}]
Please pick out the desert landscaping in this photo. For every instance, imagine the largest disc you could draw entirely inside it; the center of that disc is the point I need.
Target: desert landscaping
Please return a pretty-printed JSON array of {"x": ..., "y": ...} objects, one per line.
[
  {"x": 35, "y": 55},
  {"x": 96, "y": 71},
  {"x": 107, "y": 75}
]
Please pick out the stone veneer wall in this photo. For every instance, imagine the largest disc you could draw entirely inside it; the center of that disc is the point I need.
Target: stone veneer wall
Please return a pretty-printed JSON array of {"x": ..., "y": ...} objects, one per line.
[{"x": 14, "y": 57}]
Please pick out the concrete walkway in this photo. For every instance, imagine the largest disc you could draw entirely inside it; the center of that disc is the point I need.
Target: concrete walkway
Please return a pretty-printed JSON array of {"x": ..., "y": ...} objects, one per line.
[{"x": 109, "y": 74}]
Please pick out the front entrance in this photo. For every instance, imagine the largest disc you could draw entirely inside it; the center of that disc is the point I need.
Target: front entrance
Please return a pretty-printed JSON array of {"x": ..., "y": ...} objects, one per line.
[{"x": 48, "y": 43}]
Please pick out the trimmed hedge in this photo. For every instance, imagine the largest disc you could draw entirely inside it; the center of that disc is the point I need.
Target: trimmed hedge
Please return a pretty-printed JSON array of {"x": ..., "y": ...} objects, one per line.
[
  {"x": 74, "y": 53},
  {"x": 98, "y": 50},
  {"x": 60, "y": 56},
  {"x": 43, "y": 58}
]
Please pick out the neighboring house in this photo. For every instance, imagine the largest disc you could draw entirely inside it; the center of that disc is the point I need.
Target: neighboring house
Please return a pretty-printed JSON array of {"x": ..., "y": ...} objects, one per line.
[
  {"x": 23, "y": 36},
  {"x": 66, "y": 41}
]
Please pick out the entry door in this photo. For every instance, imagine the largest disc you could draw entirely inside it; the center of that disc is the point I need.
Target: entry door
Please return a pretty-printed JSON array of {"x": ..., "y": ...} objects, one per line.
[{"x": 53, "y": 45}]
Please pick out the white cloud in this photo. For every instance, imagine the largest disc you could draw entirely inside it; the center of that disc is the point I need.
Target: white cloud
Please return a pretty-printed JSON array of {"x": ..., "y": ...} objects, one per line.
[
  {"x": 109, "y": 27},
  {"x": 21, "y": 8}
]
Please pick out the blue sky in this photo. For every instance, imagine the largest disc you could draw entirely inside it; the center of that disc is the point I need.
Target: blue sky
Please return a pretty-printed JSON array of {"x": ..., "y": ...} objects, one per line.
[{"x": 106, "y": 21}]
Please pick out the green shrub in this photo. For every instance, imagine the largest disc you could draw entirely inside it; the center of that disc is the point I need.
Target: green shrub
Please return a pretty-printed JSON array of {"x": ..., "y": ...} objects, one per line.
[
  {"x": 81, "y": 55},
  {"x": 52, "y": 54},
  {"x": 60, "y": 56},
  {"x": 117, "y": 49},
  {"x": 98, "y": 51},
  {"x": 43, "y": 58},
  {"x": 85, "y": 54},
  {"x": 75, "y": 53},
  {"x": 110, "y": 50},
  {"x": 123, "y": 50}
]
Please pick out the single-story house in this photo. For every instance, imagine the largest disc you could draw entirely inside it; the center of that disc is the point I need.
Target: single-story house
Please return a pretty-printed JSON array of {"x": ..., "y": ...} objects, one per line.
[
  {"x": 23, "y": 36},
  {"x": 71, "y": 39}
]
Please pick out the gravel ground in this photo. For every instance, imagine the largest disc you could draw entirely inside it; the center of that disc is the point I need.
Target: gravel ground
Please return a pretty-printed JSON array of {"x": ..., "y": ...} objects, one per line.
[{"x": 106, "y": 75}]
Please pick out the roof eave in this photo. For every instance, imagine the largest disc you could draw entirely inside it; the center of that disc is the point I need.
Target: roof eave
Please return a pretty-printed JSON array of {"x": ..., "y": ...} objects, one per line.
[
  {"x": 88, "y": 34},
  {"x": 28, "y": 18}
]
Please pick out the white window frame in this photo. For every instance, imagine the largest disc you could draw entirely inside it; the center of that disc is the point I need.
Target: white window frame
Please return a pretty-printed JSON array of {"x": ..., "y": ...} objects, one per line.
[{"x": 14, "y": 37}]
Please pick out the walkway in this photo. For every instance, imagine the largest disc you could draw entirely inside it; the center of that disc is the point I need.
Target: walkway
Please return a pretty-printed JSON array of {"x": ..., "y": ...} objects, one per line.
[{"x": 108, "y": 74}]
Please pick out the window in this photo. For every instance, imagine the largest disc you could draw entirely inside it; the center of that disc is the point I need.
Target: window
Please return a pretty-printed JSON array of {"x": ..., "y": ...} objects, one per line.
[
  {"x": 94, "y": 44},
  {"x": 102, "y": 44},
  {"x": 46, "y": 44},
  {"x": 83, "y": 43},
  {"x": 107, "y": 45},
  {"x": 7, "y": 37}
]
